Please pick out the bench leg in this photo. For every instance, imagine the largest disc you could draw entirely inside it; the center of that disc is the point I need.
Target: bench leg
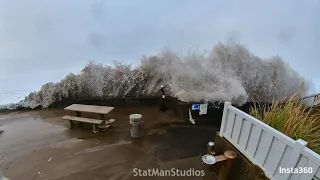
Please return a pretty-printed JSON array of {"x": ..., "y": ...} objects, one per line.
[
  {"x": 71, "y": 124},
  {"x": 80, "y": 124},
  {"x": 94, "y": 128},
  {"x": 102, "y": 117}
]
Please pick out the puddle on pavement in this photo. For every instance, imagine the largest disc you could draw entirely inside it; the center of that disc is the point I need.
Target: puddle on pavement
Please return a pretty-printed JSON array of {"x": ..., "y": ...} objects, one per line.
[
  {"x": 102, "y": 147},
  {"x": 179, "y": 140},
  {"x": 67, "y": 143},
  {"x": 157, "y": 132},
  {"x": 26, "y": 130}
]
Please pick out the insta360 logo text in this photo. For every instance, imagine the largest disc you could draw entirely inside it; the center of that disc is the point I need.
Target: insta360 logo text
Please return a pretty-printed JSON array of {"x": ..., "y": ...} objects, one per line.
[{"x": 298, "y": 170}]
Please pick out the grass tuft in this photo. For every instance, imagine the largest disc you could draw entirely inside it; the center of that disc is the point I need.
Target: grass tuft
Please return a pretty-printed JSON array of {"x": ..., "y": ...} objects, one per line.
[{"x": 293, "y": 118}]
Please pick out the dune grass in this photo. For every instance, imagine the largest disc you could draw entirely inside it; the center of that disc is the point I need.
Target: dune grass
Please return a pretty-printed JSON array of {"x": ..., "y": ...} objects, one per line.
[{"x": 293, "y": 118}]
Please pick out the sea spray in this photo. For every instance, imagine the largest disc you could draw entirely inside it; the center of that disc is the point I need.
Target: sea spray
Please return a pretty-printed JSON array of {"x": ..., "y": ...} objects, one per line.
[{"x": 228, "y": 73}]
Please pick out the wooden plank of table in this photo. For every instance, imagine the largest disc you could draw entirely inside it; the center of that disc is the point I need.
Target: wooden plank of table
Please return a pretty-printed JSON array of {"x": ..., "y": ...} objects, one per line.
[{"x": 89, "y": 108}]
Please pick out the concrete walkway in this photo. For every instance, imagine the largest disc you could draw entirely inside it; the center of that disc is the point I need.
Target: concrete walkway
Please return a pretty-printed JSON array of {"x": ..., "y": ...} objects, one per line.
[{"x": 38, "y": 145}]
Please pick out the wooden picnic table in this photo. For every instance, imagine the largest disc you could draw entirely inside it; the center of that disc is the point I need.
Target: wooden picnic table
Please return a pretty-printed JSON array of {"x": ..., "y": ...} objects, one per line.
[{"x": 79, "y": 108}]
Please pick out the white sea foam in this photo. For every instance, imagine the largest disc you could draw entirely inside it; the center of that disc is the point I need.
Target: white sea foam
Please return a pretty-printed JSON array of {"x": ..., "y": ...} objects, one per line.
[{"x": 227, "y": 73}]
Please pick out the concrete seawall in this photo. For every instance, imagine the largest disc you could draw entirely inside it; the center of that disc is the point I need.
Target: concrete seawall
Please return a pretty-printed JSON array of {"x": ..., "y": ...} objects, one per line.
[{"x": 180, "y": 108}]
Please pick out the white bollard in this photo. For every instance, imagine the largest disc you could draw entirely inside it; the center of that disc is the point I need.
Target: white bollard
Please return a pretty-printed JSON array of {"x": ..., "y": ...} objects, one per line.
[
  {"x": 210, "y": 147},
  {"x": 136, "y": 121}
]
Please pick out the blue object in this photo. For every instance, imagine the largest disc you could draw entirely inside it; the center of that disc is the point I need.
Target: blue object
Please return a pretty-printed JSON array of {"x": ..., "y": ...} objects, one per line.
[{"x": 195, "y": 107}]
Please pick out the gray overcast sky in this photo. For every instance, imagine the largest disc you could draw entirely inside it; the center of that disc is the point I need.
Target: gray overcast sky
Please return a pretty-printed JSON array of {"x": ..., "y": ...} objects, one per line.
[{"x": 44, "y": 40}]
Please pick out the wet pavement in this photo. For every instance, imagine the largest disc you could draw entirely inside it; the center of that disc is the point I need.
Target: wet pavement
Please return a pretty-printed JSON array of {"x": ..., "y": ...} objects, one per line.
[{"x": 39, "y": 145}]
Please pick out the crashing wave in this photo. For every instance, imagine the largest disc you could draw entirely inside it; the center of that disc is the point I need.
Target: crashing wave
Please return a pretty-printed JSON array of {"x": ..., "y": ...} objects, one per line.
[{"x": 228, "y": 73}]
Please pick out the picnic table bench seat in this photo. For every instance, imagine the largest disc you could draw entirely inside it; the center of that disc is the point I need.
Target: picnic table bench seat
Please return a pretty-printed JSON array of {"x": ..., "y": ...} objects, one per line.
[{"x": 82, "y": 119}]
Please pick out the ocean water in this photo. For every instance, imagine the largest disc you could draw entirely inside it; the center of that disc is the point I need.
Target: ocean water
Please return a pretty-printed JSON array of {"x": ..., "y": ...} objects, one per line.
[
  {"x": 17, "y": 86},
  {"x": 15, "y": 89}
]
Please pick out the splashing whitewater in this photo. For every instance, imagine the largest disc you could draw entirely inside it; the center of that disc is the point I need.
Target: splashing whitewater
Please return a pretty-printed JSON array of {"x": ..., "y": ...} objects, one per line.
[{"x": 228, "y": 73}]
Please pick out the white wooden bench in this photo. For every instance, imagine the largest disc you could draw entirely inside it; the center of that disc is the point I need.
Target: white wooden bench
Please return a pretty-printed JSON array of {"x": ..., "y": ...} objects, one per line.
[{"x": 96, "y": 123}]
